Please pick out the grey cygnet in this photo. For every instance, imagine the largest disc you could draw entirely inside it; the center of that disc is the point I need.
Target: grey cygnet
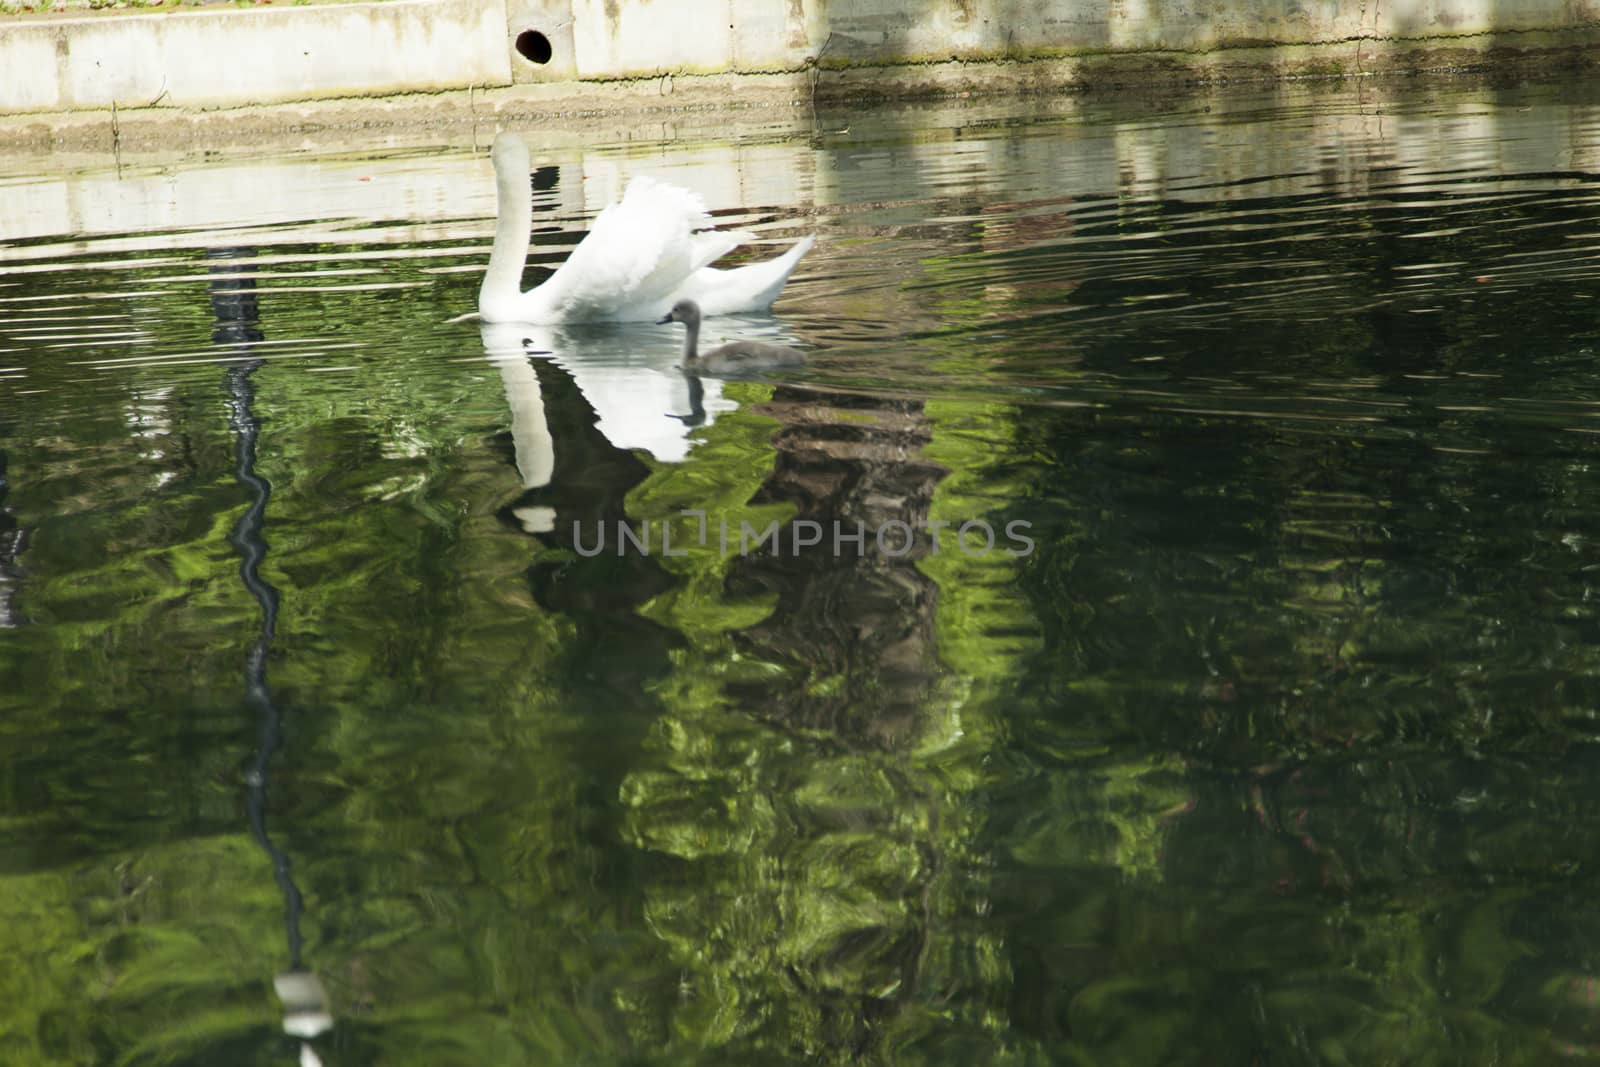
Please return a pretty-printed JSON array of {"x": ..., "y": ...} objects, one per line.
[{"x": 737, "y": 357}]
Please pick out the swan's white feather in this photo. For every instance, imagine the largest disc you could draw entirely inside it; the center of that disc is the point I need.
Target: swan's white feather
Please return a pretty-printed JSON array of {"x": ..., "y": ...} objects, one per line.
[
  {"x": 638, "y": 253},
  {"x": 749, "y": 288},
  {"x": 643, "y": 254}
]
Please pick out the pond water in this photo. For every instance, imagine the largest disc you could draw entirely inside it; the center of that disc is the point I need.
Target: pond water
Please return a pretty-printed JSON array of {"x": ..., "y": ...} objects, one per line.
[{"x": 1265, "y": 732}]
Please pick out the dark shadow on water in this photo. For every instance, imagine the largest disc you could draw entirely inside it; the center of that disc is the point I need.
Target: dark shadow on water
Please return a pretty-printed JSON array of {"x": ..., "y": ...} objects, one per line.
[{"x": 587, "y": 489}]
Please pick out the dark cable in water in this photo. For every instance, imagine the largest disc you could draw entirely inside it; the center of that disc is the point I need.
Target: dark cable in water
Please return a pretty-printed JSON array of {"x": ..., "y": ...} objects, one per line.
[
  {"x": 304, "y": 1001},
  {"x": 247, "y": 537}
]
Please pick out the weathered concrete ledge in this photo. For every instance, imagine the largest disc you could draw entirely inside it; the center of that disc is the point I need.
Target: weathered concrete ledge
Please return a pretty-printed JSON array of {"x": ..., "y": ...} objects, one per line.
[
  {"x": 209, "y": 57},
  {"x": 203, "y": 74}
]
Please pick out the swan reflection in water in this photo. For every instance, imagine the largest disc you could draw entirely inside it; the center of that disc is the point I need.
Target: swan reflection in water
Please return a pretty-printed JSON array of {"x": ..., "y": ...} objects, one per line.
[{"x": 626, "y": 374}]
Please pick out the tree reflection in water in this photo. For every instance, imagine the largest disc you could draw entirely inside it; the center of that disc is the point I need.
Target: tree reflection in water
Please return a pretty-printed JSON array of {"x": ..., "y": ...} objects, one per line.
[{"x": 801, "y": 868}]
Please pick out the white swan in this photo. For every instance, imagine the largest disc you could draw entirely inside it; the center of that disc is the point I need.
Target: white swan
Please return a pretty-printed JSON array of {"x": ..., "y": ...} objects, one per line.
[{"x": 642, "y": 255}]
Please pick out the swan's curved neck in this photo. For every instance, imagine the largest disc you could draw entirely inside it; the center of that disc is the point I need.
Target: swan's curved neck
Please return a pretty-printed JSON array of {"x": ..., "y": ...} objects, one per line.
[
  {"x": 691, "y": 342},
  {"x": 503, "y": 279}
]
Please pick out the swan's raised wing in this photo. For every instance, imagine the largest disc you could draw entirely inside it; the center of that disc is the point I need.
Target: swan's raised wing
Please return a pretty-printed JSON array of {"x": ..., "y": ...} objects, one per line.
[
  {"x": 749, "y": 288},
  {"x": 638, "y": 253}
]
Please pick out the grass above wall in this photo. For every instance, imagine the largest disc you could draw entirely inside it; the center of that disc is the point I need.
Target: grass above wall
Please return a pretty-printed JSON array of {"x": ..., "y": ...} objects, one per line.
[{"x": 140, "y": 7}]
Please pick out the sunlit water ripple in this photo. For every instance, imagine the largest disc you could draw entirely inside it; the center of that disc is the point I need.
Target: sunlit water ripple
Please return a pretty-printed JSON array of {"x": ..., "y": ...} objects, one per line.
[{"x": 1276, "y": 746}]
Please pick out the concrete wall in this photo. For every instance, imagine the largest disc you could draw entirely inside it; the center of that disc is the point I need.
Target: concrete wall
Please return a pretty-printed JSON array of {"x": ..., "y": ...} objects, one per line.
[
  {"x": 226, "y": 56},
  {"x": 632, "y": 38}
]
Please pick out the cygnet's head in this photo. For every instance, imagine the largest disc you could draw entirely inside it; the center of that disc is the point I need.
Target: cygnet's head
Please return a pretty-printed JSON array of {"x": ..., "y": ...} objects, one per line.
[{"x": 684, "y": 311}]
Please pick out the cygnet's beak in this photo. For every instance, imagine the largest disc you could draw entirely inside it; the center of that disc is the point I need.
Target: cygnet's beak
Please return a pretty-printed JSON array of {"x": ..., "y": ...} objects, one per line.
[{"x": 663, "y": 320}]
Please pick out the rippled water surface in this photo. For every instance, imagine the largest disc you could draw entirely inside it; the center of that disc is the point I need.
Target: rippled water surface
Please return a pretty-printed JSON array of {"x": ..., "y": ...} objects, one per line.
[{"x": 1264, "y": 733}]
